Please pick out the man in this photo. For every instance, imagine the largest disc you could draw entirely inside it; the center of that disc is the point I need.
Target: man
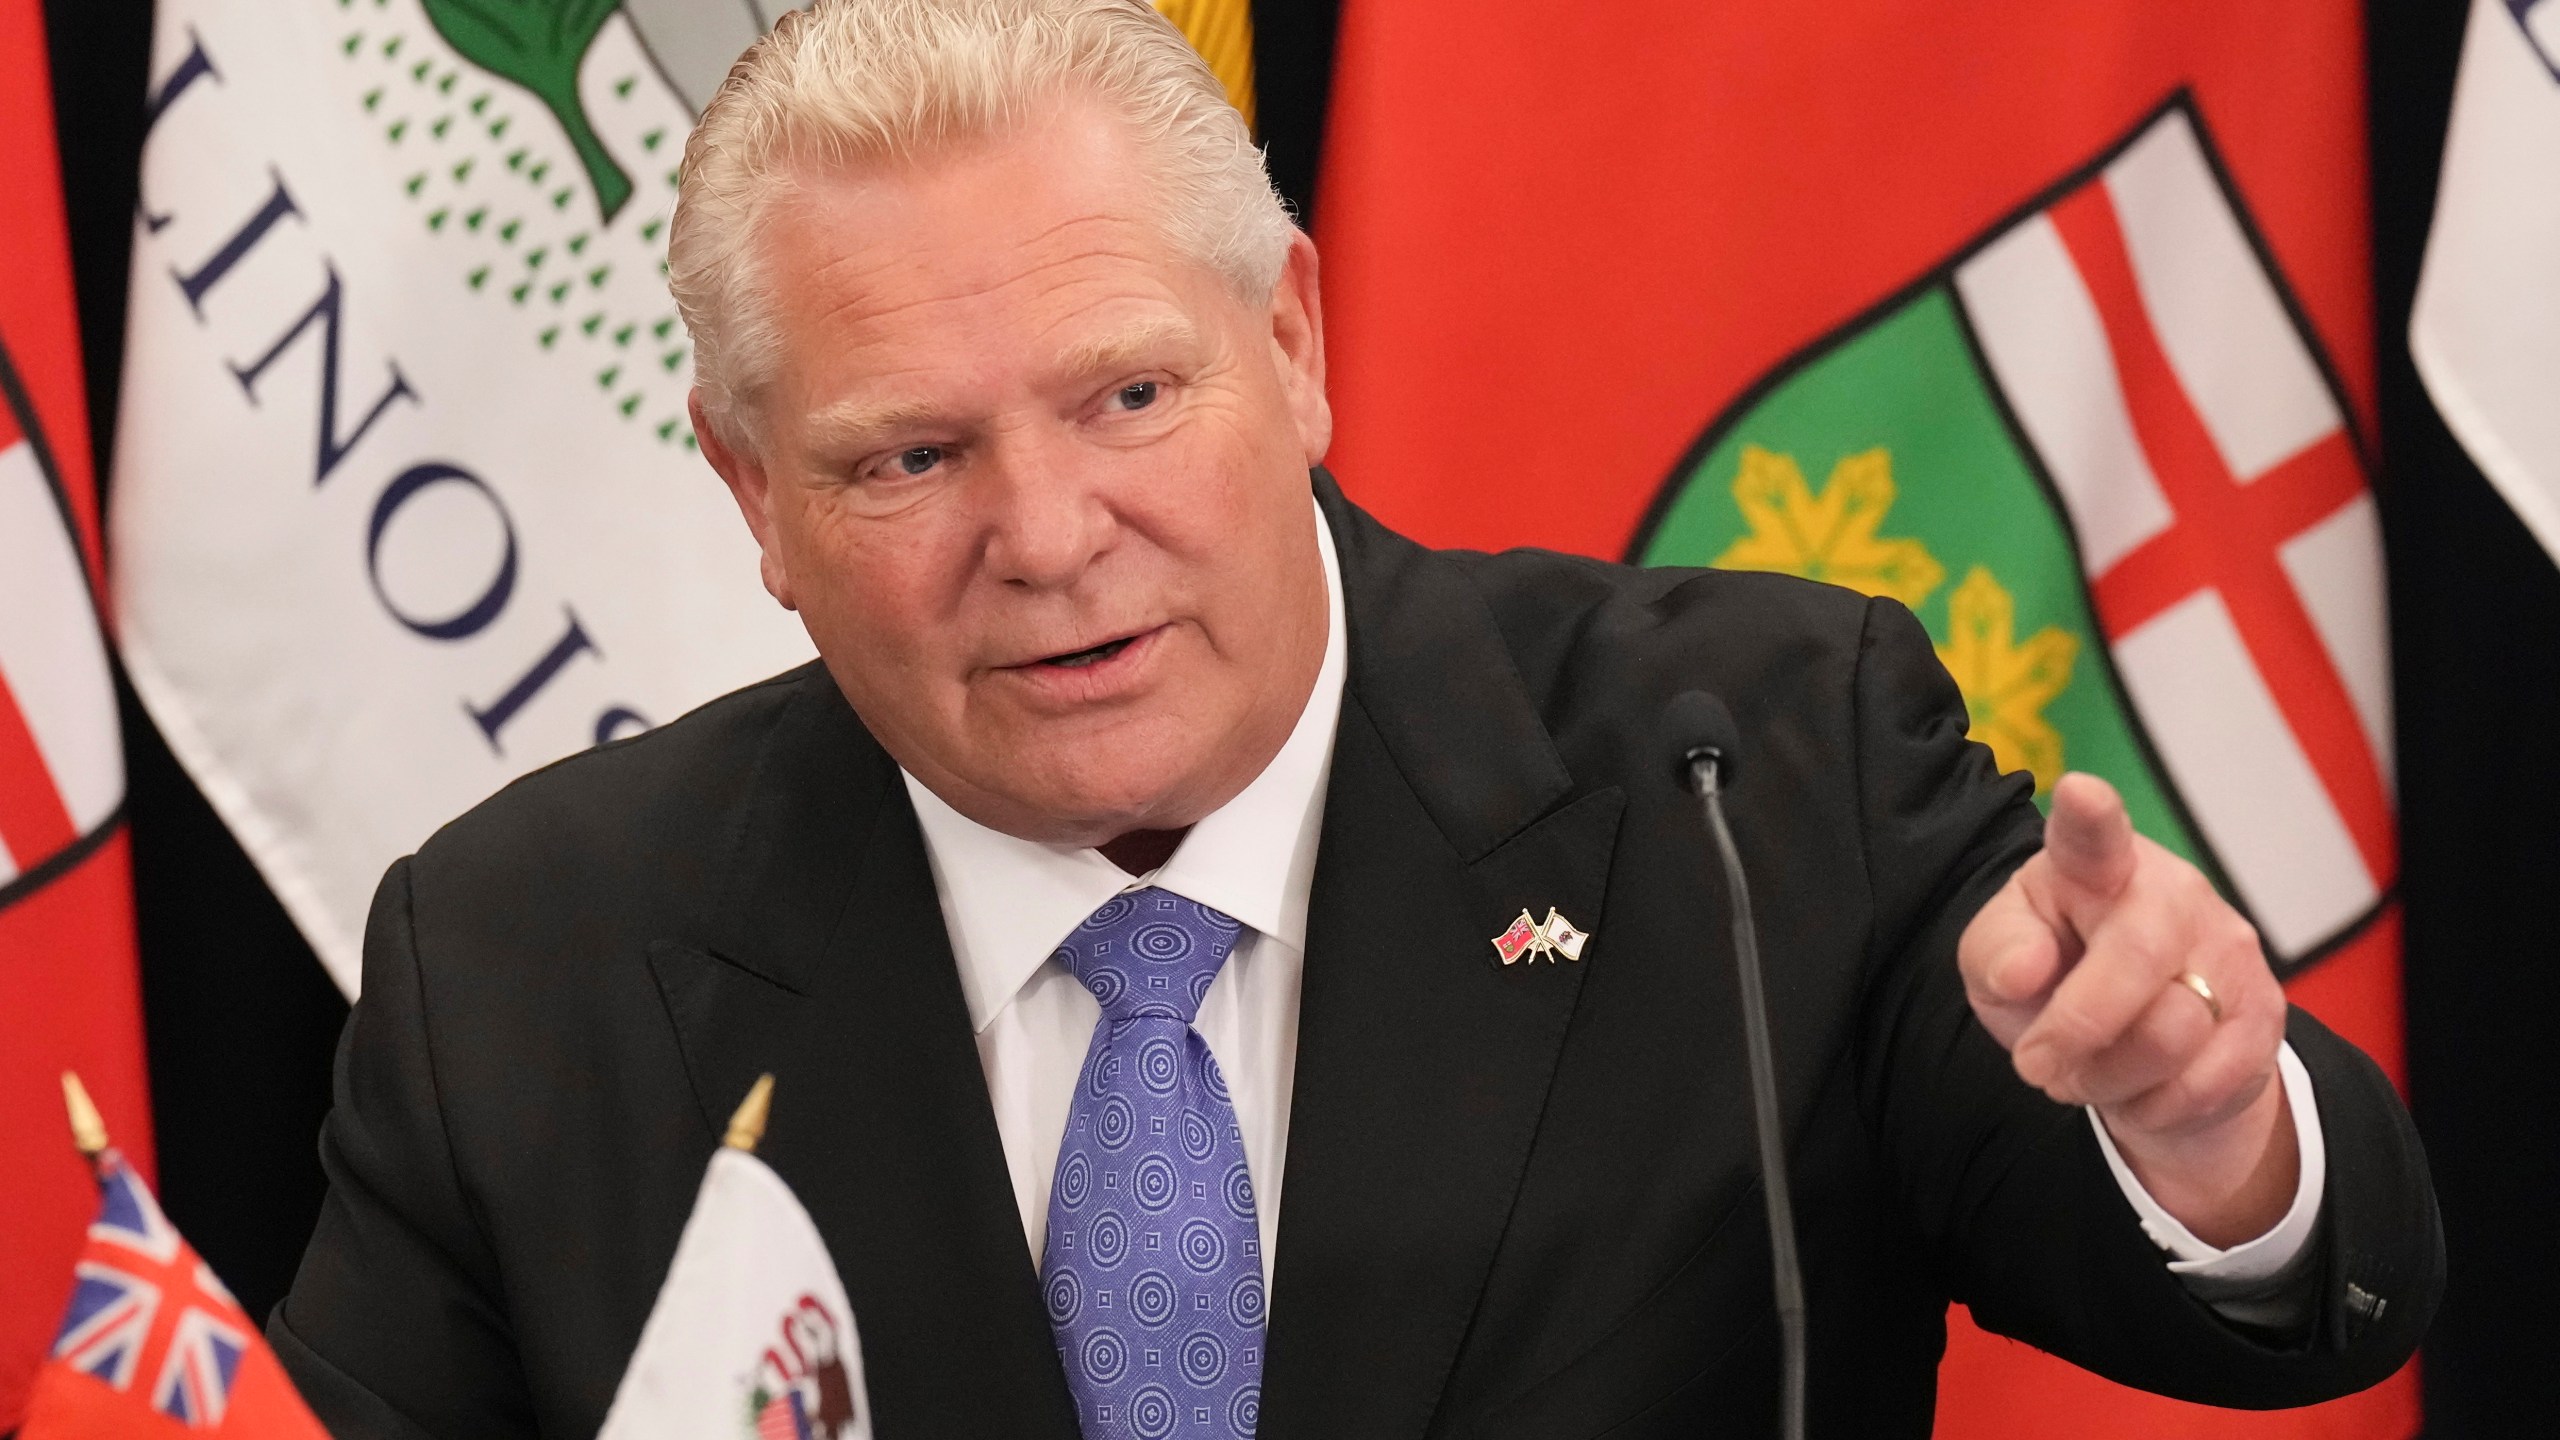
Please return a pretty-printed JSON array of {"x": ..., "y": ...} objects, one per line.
[{"x": 1114, "y": 901}]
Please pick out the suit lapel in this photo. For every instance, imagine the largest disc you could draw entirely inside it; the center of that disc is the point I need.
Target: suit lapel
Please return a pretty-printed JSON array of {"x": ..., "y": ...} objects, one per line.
[
  {"x": 828, "y": 965},
  {"x": 1423, "y": 1062}
]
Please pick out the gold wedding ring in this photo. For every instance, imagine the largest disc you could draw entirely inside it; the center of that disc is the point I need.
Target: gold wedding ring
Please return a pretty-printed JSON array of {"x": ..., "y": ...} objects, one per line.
[{"x": 2204, "y": 992}]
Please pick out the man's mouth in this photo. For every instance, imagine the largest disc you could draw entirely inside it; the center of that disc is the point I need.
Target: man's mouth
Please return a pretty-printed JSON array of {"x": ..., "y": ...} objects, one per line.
[
  {"x": 1093, "y": 674},
  {"x": 1079, "y": 659}
]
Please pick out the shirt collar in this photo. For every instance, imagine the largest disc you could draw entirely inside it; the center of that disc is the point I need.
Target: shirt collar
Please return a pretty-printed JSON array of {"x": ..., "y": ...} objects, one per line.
[{"x": 1007, "y": 902}]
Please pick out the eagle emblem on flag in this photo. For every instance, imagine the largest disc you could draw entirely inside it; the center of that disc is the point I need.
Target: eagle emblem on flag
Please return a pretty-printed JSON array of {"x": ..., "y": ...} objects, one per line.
[{"x": 802, "y": 1389}]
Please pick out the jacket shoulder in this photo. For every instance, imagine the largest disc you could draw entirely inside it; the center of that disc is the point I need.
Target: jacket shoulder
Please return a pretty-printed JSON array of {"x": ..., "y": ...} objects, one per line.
[
  {"x": 1581, "y": 629},
  {"x": 1672, "y": 590}
]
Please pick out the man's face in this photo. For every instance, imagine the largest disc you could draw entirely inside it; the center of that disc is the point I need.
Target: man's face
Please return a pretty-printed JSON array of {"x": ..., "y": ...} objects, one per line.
[{"x": 1037, "y": 483}]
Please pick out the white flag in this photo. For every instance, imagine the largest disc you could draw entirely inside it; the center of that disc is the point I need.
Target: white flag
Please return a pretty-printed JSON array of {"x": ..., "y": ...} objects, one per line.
[
  {"x": 2486, "y": 328},
  {"x": 752, "y": 1338},
  {"x": 407, "y": 504}
]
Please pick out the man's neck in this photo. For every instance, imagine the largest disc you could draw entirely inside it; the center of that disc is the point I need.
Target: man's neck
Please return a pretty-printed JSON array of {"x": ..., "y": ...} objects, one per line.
[{"x": 1141, "y": 851}]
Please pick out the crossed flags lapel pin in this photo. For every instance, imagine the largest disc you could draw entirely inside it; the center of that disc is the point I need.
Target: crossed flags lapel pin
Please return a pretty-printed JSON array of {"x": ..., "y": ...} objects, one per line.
[{"x": 1527, "y": 939}]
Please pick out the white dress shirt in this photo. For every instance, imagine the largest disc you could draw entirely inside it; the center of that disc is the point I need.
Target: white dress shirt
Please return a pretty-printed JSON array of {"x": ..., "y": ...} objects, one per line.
[{"x": 1009, "y": 902}]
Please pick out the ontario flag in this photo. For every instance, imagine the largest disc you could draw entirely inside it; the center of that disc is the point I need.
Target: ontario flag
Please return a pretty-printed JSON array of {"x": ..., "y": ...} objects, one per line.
[
  {"x": 70, "y": 996},
  {"x": 2051, "y": 322},
  {"x": 151, "y": 1344},
  {"x": 2098, "y": 457}
]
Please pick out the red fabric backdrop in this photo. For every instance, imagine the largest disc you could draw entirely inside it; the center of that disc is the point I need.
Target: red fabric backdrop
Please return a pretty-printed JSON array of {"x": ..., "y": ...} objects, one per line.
[{"x": 1559, "y": 237}]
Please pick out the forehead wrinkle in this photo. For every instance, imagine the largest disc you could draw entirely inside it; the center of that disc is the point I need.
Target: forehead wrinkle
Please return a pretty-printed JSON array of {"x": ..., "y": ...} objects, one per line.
[
  {"x": 1130, "y": 246},
  {"x": 855, "y": 280},
  {"x": 1077, "y": 222},
  {"x": 1037, "y": 271}
]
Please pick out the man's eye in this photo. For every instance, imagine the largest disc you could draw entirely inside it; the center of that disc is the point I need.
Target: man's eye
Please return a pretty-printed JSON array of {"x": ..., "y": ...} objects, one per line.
[
  {"x": 918, "y": 460},
  {"x": 1138, "y": 396}
]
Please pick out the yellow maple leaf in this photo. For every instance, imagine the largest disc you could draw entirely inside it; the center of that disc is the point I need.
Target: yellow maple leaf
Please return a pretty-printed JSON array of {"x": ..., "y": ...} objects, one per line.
[
  {"x": 2006, "y": 684},
  {"x": 1830, "y": 536}
]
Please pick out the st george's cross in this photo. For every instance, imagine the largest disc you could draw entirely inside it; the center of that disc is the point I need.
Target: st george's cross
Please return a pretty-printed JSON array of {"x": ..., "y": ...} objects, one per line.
[{"x": 2215, "y": 569}]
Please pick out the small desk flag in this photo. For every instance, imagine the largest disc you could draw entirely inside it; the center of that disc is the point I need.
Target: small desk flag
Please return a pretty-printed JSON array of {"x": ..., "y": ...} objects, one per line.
[
  {"x": 752, "y": 1334},
  {"x": 153, "y": 1348}
]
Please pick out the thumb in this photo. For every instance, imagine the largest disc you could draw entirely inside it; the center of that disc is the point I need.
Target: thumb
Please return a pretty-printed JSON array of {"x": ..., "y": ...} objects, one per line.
[{"x": 2088, "y": 838}]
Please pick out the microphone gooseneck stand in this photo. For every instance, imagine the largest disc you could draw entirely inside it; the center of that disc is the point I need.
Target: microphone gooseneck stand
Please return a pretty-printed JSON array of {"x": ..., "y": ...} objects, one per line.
[{"x": 1705, "y": 757}]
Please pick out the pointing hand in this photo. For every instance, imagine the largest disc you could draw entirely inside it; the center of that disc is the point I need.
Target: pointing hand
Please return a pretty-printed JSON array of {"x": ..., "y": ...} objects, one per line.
[{"x": 2117, "y": 977}]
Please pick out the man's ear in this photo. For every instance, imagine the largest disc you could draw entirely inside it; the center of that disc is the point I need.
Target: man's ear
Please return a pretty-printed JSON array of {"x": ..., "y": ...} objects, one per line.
[
  {"x": 743, "y": 472},
  {"x": 1297, "y": 337}
]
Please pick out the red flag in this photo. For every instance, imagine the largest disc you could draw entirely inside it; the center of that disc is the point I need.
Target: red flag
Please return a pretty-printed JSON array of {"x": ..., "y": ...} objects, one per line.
[
  {"x": 67, "y": 962},
  {"x": 151, "y": 1344},
  {"x": 1596, "y": 276}
]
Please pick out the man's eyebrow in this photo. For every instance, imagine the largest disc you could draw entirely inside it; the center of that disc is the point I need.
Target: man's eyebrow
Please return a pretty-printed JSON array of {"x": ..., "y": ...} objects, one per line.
[
  {"x": 852, "y": 425},
  {"x": 1123, "y": 348}
]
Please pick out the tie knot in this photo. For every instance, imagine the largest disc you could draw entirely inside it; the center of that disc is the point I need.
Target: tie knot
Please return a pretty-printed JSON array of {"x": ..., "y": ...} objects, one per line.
[{"x": 1149, "y": 953}]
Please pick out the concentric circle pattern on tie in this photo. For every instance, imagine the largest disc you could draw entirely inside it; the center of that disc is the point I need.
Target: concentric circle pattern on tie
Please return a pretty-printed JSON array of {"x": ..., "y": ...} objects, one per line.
[{"x": 1153, "y": 1271}]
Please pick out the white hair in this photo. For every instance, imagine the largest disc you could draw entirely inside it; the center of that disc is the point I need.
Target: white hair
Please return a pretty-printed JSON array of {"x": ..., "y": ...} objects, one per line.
[{"x": 884, "y": 81}]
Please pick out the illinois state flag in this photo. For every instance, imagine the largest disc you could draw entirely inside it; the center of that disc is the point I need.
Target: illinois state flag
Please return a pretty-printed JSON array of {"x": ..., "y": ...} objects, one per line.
[
  {"x": 407, "y": 502},
  {"x": 152, "y": 1347},
  {"x": 69, "y": 993},
  {"x": 752, "y": 1334},
  {"x": 2050, "y": 322}
]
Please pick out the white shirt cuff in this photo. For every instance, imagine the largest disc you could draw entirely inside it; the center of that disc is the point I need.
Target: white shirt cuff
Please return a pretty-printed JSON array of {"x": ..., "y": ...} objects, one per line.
[{"x": 2220, "y": 1276}]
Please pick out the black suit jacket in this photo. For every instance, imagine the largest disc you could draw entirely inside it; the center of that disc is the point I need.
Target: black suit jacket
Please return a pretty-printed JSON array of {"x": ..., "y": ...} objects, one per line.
[{"x": 1520, "y": 1201}]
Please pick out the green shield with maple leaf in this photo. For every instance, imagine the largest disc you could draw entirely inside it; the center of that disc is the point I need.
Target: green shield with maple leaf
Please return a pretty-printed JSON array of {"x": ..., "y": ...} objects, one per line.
[{"x": 1883, "y": 460}]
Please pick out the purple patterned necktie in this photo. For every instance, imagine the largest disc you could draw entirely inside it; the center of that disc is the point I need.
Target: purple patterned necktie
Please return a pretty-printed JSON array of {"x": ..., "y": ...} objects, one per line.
[{"x": 1153, "y": 1273}]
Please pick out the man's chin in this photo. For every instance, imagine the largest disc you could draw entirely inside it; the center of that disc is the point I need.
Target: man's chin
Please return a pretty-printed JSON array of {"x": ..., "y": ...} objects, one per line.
[
  {"x": 1088, "y": 778},
  {"x": 1077, "y": 802}
]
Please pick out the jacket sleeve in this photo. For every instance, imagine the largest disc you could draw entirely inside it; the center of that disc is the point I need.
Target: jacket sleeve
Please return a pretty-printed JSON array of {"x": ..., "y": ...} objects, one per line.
[
  {"x": 394, "y": 1327},
  {"x": 2008, "y": 1191}
]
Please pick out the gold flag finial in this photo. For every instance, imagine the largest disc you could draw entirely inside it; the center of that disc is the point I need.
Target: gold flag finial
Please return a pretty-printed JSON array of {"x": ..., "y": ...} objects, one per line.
[
  {"x": 746, "y": 1127},
  {"x": 88, "y": 1130}
]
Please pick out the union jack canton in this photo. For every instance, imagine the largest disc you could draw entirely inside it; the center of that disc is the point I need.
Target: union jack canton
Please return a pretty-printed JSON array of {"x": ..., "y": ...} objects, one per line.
[{"x": 144, "y": 1308}]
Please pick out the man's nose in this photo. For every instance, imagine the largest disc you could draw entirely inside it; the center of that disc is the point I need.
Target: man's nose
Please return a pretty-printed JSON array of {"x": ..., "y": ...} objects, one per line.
[{"x": 1046, "y": 518}]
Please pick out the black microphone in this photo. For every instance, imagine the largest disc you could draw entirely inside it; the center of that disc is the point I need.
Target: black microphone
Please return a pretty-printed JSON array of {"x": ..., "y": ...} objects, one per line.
[{"x": 1703, "y": 744}]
